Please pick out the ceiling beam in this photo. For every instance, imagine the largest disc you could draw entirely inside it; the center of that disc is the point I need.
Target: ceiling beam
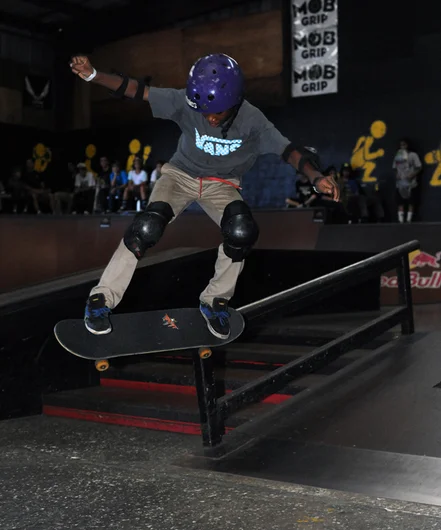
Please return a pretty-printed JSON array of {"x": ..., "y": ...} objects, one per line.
[
  {"x": 139, "y": 16},
  {"x": 58, "y": 6},
  {"x": 26, "y": 24}
]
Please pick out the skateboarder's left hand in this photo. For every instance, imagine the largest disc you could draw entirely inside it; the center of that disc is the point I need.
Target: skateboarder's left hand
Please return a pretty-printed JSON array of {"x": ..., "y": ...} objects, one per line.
[{"x": 328, "y": 186}]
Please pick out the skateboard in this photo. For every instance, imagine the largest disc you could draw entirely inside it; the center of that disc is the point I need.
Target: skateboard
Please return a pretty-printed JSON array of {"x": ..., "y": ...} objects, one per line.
[{"x": 144, "y": 333}]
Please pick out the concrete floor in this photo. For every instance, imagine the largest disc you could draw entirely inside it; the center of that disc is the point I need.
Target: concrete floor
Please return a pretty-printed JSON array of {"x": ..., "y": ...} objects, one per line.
[{"x": 66, "y": 474}]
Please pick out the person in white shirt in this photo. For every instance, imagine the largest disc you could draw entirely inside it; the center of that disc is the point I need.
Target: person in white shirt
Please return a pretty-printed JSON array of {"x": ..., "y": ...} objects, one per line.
[
  {"x": 137, "y": 185},
  {"x": 84, "y": 192},
  {"x": 407, "y": 166},
  {"x": 155, "y": 174}
]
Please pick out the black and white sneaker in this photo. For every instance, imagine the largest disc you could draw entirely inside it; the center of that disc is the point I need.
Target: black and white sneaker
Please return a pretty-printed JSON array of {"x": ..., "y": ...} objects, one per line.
[
  {"x": 217, "y": 317},
  {"x": 96, "y": 315}
]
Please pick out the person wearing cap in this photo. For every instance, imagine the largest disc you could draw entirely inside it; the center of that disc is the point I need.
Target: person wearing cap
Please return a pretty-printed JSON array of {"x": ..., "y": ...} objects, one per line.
[
  {"x": 222, "y": 136},
  {"x": 84, "y": 191}
]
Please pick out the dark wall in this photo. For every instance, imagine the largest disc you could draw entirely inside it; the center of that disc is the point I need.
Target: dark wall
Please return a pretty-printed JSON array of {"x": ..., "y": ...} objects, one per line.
[{"x": 388, "y": 72}]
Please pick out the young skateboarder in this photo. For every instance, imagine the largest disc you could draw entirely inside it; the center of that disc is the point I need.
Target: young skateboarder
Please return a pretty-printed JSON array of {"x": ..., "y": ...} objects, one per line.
[{"x": 222, "y": 135}]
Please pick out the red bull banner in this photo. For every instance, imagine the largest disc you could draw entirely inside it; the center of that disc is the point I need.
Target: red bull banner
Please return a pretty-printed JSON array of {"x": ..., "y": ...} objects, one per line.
[{"x": 425, "y": 279}]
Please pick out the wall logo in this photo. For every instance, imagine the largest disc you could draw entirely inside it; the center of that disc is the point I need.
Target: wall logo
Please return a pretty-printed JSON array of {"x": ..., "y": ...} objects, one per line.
[
  {"x": 136, "y": 151},
  {"x": 216, "y": 146},
  {"x": 362, "y": 156},
  {"x": 433, "y": 158},
  {"x": 42, "y": 157},
  {"x": 431, "y": 279},
  {"x": 90, "y": 153},
  {"x": 37, "y": 92}
]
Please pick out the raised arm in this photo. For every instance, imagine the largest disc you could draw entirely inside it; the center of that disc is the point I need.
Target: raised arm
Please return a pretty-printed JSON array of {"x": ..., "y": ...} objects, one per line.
[{"x": 120, "y": 86}]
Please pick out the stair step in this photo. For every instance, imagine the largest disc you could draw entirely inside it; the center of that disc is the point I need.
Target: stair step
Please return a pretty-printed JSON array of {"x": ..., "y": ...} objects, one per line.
[
  {"x": 137, "y": 407},
  {"x": 174, "y": 371}
]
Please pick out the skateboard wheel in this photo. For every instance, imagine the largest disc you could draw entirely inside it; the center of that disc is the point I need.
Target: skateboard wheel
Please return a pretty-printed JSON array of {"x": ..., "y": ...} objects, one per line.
[
  {"x": 205, "y": 353},
  {"x": 102, "y": 365}
]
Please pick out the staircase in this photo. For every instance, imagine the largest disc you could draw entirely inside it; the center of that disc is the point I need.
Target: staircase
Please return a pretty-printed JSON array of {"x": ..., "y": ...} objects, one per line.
[{"x": 159, "y": 392}]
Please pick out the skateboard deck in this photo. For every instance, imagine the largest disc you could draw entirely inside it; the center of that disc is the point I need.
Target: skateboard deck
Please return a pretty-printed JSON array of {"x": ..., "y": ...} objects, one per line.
[{"x": 144, "y": 333}]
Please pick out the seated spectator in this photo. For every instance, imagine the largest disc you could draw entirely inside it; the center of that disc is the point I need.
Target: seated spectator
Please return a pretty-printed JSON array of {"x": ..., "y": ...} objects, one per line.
[
  {"x": 136, "y": 187},
  {"x": 331, "y": 171},
  {"x": 40, "y": 193},
  {"x": 118, "y": 183},
  {"x": 19, "y": 191},
  {"x": 65, "y": 188},
  {"x": 407, "y": 165},
  {"x": 308, "y": 197},
  {"x": 305, "y": 194},
  {"x": 373, "y": 201},
  {"x": 84, "y": 192},
  {"x": 3, "y": 195},
  {"x": 352, "y": 197},
  {"x": 155, "y": 175},
  {"x": 102, "y": 185}
]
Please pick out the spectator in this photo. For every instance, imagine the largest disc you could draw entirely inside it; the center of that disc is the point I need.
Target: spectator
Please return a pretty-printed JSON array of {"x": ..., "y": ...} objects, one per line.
[
  {"x": 305, "y": 194},
  {"x": 375, "y": 210},
  {"x": 2, "y": 195},
  {"x": 351, "y": 195},
  {"x": 331, "y": 171},
  {"x": 102, "y": 185},
  {"x": 65, "y": 188},
  {"x": 155, "y": 175},
  {"x": 407, "y": 165},
  {"x": 118, "y": 183},
  {"x": 136, "y": 187},
  {"x": 19, "y": 191},
  {"x": 84, "y": 193},
  {"x": 40, "y": 193}
]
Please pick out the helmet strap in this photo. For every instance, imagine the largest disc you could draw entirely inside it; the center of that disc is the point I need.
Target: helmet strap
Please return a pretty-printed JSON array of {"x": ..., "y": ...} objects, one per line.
[{"x": 226, "y": 124}]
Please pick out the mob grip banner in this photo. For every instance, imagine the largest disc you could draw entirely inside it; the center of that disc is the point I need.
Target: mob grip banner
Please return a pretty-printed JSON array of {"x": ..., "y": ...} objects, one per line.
[{"x": 314, "y": 47}]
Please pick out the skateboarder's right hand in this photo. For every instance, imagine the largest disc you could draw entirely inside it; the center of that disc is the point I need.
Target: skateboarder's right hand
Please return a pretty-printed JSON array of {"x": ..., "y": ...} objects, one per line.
[{"x": 81, "y": 66}]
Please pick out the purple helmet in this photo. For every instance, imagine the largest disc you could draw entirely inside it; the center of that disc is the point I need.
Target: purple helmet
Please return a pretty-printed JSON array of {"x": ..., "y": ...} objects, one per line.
[{"x": 215, "y": 84}]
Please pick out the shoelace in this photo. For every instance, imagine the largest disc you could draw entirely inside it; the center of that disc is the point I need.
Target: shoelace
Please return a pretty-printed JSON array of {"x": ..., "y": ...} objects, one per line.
[{"x": 101, "y": 312}]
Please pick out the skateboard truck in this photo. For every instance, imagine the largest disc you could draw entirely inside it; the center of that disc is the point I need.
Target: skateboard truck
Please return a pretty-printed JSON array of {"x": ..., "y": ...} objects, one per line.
[{"x": 103, "y": 364}]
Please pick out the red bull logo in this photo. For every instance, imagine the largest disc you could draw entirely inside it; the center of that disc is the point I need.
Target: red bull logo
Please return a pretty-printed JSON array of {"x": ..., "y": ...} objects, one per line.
[{"x": 419, "y": 258}]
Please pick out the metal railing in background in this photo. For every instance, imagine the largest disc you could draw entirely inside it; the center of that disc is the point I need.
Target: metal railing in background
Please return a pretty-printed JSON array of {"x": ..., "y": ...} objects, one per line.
[{"x": 214, "y": 411}]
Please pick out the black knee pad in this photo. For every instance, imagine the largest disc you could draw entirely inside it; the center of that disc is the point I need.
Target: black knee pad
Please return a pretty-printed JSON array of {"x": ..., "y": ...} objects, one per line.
[
  {"x": 148, "y": 227},
  {"x": 239, "y": 230}
]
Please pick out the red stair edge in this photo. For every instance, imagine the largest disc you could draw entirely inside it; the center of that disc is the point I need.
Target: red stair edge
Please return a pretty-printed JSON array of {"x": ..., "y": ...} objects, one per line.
[
  {"x": 274, "y": 399},
  {"x": 155, "y": 424}
]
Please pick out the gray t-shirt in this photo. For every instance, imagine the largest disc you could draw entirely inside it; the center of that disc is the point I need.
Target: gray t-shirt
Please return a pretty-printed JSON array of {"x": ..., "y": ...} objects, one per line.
[{"x": 202, "y": 152}]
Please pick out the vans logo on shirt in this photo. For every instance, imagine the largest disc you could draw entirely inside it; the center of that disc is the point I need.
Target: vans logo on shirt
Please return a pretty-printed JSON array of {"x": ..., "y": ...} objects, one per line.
[{"x": 216, "y": 146}]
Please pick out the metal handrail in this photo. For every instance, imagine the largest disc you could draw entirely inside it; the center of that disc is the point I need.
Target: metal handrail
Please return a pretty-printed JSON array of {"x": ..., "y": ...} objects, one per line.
[{"x": 214, "y": 411}]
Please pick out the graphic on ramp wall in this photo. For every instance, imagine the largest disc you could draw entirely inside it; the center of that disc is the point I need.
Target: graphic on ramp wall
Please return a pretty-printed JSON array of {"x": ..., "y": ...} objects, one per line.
[
  {"x": 433, "y": 158},
  {"x": 136, "y": 150},
  {"x": 425, "y": 271},
  {"x": 363, "y": 157},
  {"x": 42, "y": 156},
  {"x": 90, "y": 154}
]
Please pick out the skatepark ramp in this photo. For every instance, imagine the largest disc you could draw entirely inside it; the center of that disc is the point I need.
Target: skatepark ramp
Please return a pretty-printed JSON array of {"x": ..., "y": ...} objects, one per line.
[{"x": 214, "y": 411}]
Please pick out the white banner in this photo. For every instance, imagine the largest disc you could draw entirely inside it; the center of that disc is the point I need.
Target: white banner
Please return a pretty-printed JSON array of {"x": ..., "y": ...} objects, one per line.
[{"x": 315, "y": 47}]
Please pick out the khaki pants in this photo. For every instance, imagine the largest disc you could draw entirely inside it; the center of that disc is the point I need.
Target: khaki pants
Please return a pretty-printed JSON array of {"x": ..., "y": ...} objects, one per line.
[{"x": 179, "y": 190}]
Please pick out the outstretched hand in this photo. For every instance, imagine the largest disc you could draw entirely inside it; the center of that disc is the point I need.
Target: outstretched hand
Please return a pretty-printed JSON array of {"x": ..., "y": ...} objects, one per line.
[
  {"x": 81, "y": 66},
  {"x": 328, "y": 186}
]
